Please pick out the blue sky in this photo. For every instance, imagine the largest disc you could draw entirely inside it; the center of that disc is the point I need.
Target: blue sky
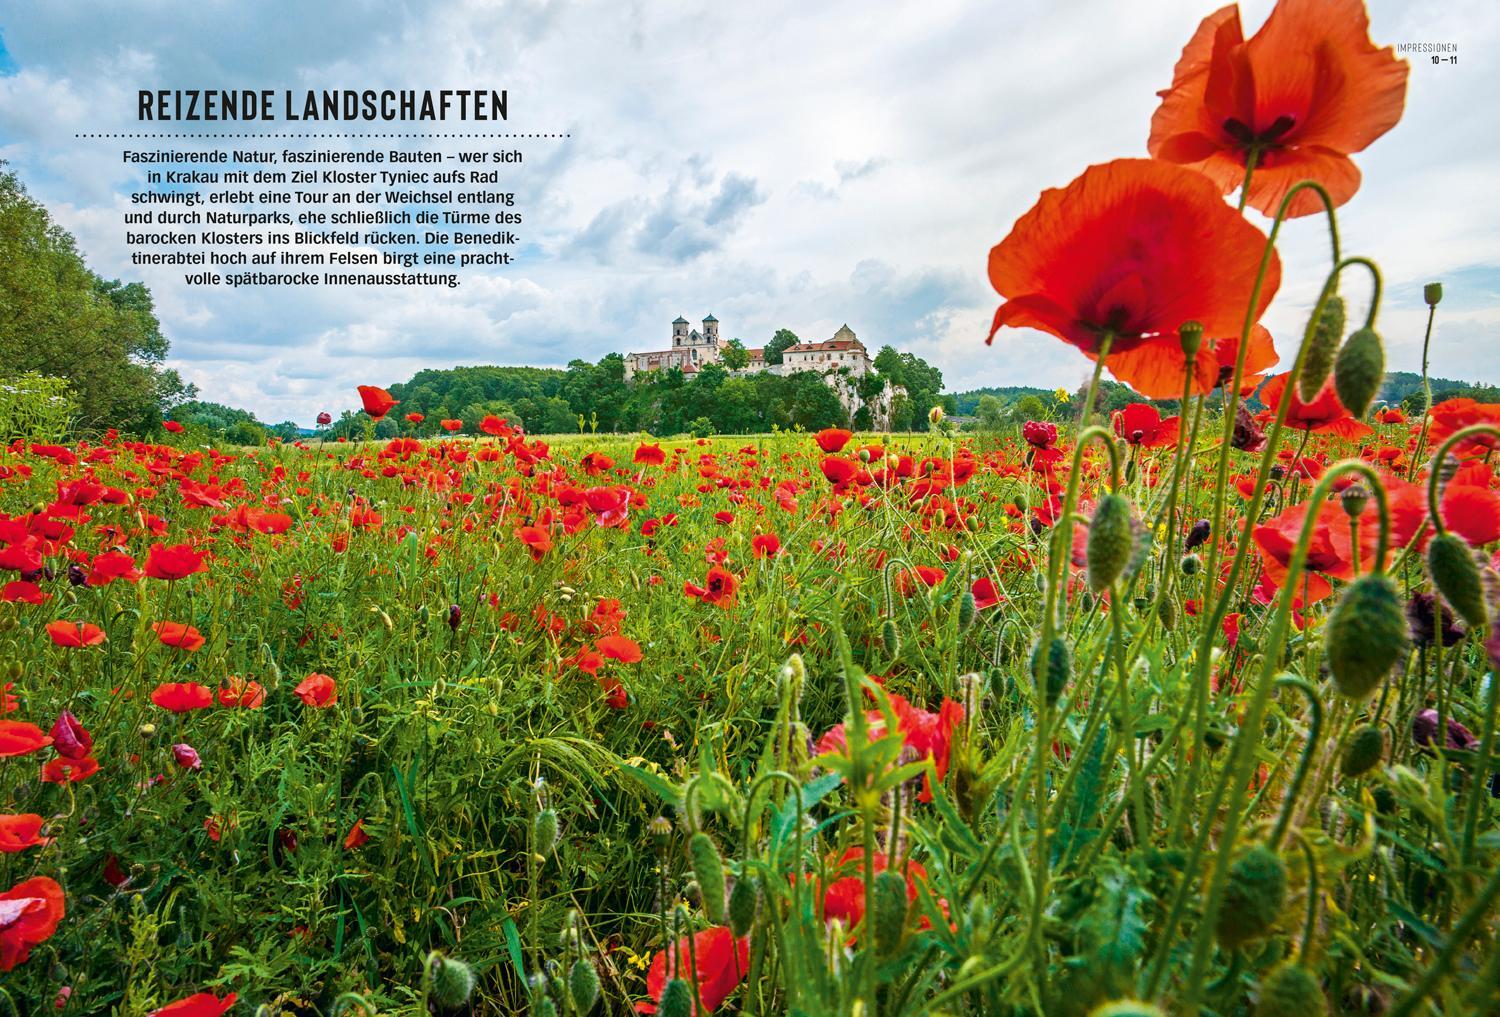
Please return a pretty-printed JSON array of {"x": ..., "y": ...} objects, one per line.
[{"x": 781, "y": 164}]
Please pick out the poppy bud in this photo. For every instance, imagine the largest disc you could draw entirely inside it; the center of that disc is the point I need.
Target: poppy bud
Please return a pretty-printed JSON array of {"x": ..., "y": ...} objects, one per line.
[
  {"x": 966, "y": 610},
  {"x": 1322, "y": 346},
  {"x": 1290, "y": 990},
  {"x": 1456, "y": 577},
  {"x": 1191, "y": 337},
  {"x": 452, "y": 981},
  {"x": 744, "y": 904},
  {"x": 1020, "y": 501},
  {"x": 1353, "y": 500},
  {"x": 1365, "y": 635},
  {"x": 935, "y": 416},
  {"x": 455, "y": 616},
  {"x": 186, "y": 756},
  {"x": 583, "y": 985},
  {"x": 1166, "y": 613},
  {"x": 1359, "y": 371},
  {"x": 69, "y": 737},
  {"x": 1110, "y": 541},
  {"x": 1051, "y": 676},
  {"x": 544, "y": 832},
  {"x": 890, "y": 638},
  {"x": 676, "y": 1000},
  {"x": 889, "y": 911},
  {"x": 1432, "y": 293},
  {"x": 1253, "y": 896},
  {"x": 1198, "y": 535},
  {"x": 1190, "y": 564},
  {"x": 1364, "y": 751},
  {"x": 708, "y": 869}
]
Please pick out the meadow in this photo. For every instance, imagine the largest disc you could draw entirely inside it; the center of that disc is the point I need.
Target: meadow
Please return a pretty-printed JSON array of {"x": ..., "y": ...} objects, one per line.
[{"x": 1114, "y": 715}]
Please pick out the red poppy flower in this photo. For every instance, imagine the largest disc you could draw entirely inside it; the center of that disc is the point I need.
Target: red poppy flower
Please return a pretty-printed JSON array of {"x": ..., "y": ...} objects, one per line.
[
  {"x": 75, "y": 634},
  {"x": 1303, "y": 93},
  {"x": 620, "y": 648},
  {"x": 649, "y": 455},
  {"x": 844, "y": 898},
  {"x": 765, "y": 545},
  {"x": 29, "y": 914},
  {"x": 317, "y": 690},
  {"x": 722, "y": 961},
  {"x": 110, "y": 566},
  {"x": 325, "y": 418},
  {"x": 249, "y": 695},
  {"x": 718, "y": 589},
  {"x": 494, "y": 425},
  {"x": 21, "y": 591},
  {"x": 19, "y": 832},
  {"x": 415, "y": 418},
  {"x": 838, "y": 470},
  {"x": 536, "y": 540},
  {"x": 176, "y": 562},
  {"x": 1157, "y": 368},
  {"x": 985, "y": 594},
  {"x": 357, "y": 838},
  {"x": 201, "y": 1004},
  {"x": 1324, "y": 414},
  {"x": 1453, "y": 415},
  {"x": 377, "y": 401},
  {"x": 18, "y": 738},
  {"x": 1141, "y": 424},
  {"x": 172, "y": 426},
  {"x": 176, "y": 634},
  {"x": 453, "y": 425},
  {"x": 69, "y": 737},
  {"x": 832, "y": 439},
  {"x": 180, "y": 697},
  {"x": 1132, "y": 247},
  {"x": 66, "y": 771}
]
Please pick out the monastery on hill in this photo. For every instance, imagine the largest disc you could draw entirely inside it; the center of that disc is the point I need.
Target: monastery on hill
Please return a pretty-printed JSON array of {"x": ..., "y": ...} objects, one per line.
[
  {"x": 841, "y": 361},
  {"x": 692, "y": 349}
]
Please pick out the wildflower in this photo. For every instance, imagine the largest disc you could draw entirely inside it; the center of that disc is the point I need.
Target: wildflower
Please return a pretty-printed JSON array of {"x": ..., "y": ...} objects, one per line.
[
  {"x": 317, "y": 690},
  {"x": 176, "y": 634},
  {"x": 620, "y": 648},
  {"x": 65, "y": 771},
  {"x": 69, "y": 737},
  {"x": 377, "y": 401},
  {"x": 832, "y": 439},
  {"x": 18, "y": 738},
  {"x": 176, "y": 562},
  {"x": 19, "y": 832},
  {"x": 186, "y": 756},
  {"x": 716, "y": 961},
  {"x": 200, "y": 1004},
  {"x": 75, "y": 634},
  {"x": 182, "y": 697},
  {"x": 1298, "y": 98},
  {"x": 30, "y": 912}
]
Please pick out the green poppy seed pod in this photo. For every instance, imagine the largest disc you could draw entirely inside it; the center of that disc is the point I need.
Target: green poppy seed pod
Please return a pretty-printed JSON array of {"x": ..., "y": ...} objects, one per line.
[
  {"x": 1321, "y": 349},
  {"x": 547, "y": 1008},
  {"x": 708, "y": 869},
  {"x": 544, "y": 832},
  {"x": 1366, "y": 634},
  {"x": 1432, "y": 293},
  {"x": 889, "y": 911},
  {"x": 1166, "y": 613},
  {"x": 452, "y": 982},
  {"x": 1290, "y": 990},
  {"x": 890, "y": 638},
  {"x": 1454, "y": 572},
  {"x": 676, "y": 1000},
  {"x": 744, "y": 905},
  {"x": 1365, "y": 750},
  {"x": 1353, "y": 500},
  {"x": 794, "y": 670},
  {"x": 966, "y": 610},
  {"x": 1253, "y": 897},
  {"x": 1191, "y": 337},
  {"x": 1127, "y": 1008},
  {"x": 1051, "y": 676},
  {"x": 660, "y": 829},
  {"x": 583, "y": 985},
  {"x": 1110, "y": 541},
  {"x": 1359, "y": 371},
  {"x": 1190, "y": 565}
]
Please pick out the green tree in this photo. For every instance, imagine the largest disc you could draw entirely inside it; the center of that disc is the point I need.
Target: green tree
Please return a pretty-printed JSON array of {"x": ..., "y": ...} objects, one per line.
[
  {"x": 734, "y": 355},
  {"x": 59, "y": 319},
  {"x": 783, "y": 339},
  {"x": 991, "y": 413}
]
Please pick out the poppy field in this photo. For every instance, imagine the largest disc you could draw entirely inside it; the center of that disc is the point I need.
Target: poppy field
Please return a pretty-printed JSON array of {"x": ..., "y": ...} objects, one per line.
[{"x": 1141, "y": 713}]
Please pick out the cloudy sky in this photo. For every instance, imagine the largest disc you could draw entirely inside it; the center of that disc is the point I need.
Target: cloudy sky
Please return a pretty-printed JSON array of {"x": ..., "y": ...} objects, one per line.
[{"x": 776, "y": 164}]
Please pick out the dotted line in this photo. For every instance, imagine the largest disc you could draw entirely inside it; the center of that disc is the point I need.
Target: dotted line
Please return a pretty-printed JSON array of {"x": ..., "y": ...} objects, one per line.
[{"x": 345, "y": 135}]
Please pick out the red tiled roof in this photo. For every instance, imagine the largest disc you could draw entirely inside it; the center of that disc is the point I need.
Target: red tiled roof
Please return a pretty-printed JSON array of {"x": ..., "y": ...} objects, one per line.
[{"x": 825, "y": 346}]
